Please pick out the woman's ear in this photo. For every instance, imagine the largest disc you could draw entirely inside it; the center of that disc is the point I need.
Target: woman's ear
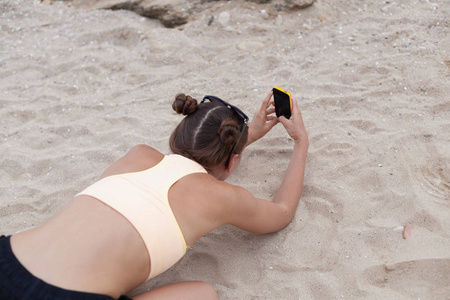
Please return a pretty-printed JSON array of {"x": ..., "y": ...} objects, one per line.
[{"x": 235, "y": 159}]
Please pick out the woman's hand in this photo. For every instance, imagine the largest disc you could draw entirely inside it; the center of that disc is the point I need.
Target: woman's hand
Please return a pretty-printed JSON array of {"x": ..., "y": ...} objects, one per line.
[
  {"x": 263, "y": 120},
  {"x": 294, "y": 125}
]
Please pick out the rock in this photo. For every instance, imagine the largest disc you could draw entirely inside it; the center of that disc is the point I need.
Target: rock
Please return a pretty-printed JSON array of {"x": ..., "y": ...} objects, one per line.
[
  {"x": 224, "y": 18},
  {"x": 298, "y": 4},
  {"x": 279, "y": 20},
  {"x": 390, "y": 267},
  {"x": 250, "y": 46},
  {"x": 307, "y": 26},
  {"x": 399, "y": 228},
  {"x": 322, "y": 17},
  {"x": 407, "y": 232},
  {"x": 174, "y": 13},
  {"x": 170, "y": 13},
  {"x": 289, "y": 4}
]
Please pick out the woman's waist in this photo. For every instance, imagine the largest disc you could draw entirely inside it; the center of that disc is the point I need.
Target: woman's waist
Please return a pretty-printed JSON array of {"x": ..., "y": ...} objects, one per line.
[{"x": 88, "y": 246}]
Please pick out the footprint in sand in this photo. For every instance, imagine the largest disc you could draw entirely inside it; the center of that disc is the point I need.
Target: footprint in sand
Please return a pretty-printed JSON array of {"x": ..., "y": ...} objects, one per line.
[{"x": 413, "y": 279}]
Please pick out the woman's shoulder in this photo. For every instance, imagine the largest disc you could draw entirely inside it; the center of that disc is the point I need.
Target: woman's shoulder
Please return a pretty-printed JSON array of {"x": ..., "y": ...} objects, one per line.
[
  {"x": 138, "y": 158},
  {"x": 143, "y": 155},
  {"x": 143, "y": 149}
]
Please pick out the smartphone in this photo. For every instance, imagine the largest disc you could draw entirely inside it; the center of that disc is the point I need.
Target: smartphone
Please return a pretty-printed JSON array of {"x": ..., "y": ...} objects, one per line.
[{"x": 283, "y": 102}]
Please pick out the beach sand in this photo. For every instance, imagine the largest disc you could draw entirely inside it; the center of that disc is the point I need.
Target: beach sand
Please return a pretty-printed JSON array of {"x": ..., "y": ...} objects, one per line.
[{"x": 80, "y": 86}]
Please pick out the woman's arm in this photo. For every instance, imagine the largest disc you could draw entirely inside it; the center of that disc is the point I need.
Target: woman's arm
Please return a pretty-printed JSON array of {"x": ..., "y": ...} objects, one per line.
[
  {"x": 291, "y": 188},
  {"x": 261, "y": 216}
]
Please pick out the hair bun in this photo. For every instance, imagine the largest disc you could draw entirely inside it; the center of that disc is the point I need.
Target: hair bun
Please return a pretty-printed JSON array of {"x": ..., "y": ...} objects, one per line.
[
  {"x": 184, "y": 104},
  {"x": 229, "y": 131}
]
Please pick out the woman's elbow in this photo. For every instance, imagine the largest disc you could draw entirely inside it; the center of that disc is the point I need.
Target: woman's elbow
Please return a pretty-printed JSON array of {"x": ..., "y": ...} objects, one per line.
[{"x": 281, "y": 220}]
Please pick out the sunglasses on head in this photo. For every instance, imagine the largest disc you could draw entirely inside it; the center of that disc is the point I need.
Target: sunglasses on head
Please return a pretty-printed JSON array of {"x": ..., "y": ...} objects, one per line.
[{"x": 237, "y": 111}]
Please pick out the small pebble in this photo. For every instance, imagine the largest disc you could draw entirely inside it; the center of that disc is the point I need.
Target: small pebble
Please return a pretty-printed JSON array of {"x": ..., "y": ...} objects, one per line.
[
  {"x": 390, "y": 267},
  {"x": 279, "y": 20},
  {"x": 224, "y": 18},
  {"x": 399, "y": 228},
  {"x": 407, "y": 232},
  {"x": 322, "y": 17},
  {"x": 307, "y": 26},
  {"x": 211, "y": 20}
]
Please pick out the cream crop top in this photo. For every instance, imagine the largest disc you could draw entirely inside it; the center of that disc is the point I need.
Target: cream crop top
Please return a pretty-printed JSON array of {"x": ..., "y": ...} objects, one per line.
[{"x": 142, "y": 198}]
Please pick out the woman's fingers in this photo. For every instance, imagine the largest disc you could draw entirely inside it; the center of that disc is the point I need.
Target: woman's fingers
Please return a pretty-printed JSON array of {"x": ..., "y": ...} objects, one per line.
[
  {"x": 266, "y": 103},
  {"x": 270, "y": 110},
  {"x": 283, "y": 120},
  {"x": 272, "y": 121},
  {"x": 294, "y": 105}
]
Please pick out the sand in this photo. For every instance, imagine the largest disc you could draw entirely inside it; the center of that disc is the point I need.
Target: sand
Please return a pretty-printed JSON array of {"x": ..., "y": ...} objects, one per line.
[{"x": 79, "y": 87}]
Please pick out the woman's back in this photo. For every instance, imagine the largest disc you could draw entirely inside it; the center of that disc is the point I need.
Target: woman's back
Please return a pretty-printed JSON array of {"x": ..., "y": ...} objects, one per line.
[{"x": 105, "y": 253}]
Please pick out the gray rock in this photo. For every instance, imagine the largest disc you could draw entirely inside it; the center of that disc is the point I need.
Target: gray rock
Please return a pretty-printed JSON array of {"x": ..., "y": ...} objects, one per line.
[
  {"x": 292, "y": 4},
  {"x": 224, "y": 18},
  {"x": 173, "y": 13},
  {"x": 170, "y": 13},
  {"x": 286, "y": 4}
]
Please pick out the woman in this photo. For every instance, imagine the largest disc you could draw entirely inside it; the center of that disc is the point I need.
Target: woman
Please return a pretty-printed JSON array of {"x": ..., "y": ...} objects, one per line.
[{"x": 147, "y": 208}]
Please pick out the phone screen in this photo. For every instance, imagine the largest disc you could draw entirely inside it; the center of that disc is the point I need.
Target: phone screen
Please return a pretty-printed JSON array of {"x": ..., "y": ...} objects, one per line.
[{"x": 282, "y": 103}]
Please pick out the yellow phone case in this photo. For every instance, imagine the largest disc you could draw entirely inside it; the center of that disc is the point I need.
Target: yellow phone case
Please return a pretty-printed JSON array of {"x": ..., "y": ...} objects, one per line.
[{"x": 287, "y": 93}]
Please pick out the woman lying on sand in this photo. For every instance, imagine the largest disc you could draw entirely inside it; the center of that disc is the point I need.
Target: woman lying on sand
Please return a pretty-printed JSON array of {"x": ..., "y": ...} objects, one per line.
[{"x": 147, "y": 208}]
